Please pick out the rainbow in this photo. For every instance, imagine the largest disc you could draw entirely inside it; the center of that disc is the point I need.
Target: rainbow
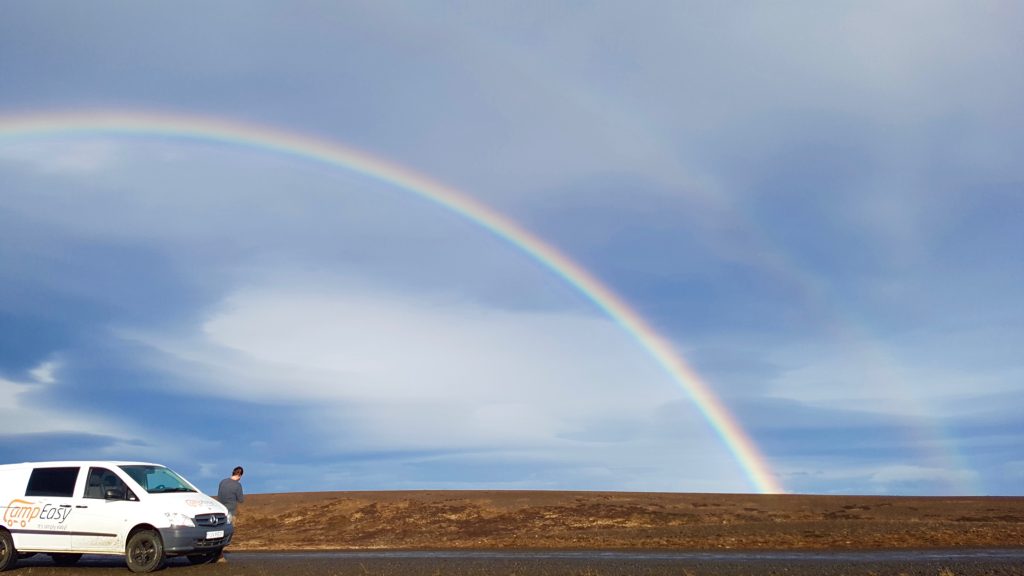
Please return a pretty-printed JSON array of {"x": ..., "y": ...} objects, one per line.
[{"x": 219, "y": 130}]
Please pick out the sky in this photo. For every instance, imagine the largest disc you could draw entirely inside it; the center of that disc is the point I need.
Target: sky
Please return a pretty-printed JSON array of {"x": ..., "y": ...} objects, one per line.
[{"x": 814, "y": 209}]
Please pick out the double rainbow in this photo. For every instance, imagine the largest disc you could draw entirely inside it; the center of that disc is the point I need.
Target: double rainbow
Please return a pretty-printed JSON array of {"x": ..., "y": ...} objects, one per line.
[{"x": 210, "y": 129}]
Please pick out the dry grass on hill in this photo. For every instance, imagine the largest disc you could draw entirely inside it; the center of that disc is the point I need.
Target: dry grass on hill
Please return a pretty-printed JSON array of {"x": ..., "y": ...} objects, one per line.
[{"x": 616, "y": 520}]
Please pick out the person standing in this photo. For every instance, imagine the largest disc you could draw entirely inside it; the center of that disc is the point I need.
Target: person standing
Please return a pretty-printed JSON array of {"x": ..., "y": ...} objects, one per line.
[{"x": 229, "y": 493}]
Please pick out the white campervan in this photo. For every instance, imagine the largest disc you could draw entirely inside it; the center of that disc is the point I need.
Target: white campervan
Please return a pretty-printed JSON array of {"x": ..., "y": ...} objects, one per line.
[{"x": 144, "y": 511}]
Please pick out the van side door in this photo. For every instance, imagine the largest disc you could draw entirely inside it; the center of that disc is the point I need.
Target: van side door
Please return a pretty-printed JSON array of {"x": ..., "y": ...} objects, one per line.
[
  {"x": 102, "y": 512},
  {"x": 39, "y": 521}
]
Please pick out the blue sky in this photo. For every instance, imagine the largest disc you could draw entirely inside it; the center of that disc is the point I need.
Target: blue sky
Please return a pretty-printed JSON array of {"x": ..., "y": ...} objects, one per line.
[{"x": 818, "y": 205}]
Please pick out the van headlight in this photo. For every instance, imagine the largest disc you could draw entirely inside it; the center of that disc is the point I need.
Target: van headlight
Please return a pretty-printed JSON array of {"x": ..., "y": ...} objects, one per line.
[{"x": 179, "y": 519}]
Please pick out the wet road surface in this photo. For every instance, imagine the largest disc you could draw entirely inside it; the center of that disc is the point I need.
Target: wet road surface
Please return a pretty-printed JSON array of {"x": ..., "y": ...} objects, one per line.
[{"x": 575, "y": 563}]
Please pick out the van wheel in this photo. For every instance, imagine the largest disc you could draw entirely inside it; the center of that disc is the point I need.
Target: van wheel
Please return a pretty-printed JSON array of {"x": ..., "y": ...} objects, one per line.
[
  {"x": 8, "y": 555},
  {"x": 145, "y": 551},
  {"x": 65, "y": 559}
]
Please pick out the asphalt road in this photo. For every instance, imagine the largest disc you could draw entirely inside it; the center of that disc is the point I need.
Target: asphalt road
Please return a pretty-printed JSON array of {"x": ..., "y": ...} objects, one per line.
[{"x": 483, "y": 563}]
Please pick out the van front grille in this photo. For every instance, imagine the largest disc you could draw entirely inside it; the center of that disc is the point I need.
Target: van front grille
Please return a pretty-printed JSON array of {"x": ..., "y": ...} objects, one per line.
[{"x": 207, "y": 520}]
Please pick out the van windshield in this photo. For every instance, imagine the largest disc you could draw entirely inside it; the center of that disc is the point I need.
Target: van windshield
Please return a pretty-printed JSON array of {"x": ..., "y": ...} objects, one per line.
[{"x": 157, "y": 479}]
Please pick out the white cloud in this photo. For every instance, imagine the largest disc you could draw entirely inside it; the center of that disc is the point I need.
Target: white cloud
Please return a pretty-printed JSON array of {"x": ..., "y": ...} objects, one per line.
[
  {"x": 26, "y": 411},
  {"x": 415, "y": 374},
  {"x": 888, "y": 478},
  {"x": 23, "y": 411},
  {"x": 563, "y": 395},
  {"x": 882, "y": 478},
  {"x": 910, "y": 375},
  {"x": 387, "y": 346},
  {"x": 44, "y": 373}
]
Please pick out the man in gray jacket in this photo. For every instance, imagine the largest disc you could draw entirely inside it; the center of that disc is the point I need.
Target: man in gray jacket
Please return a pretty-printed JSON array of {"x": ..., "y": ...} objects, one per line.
[{"x": 229, "y": 493}]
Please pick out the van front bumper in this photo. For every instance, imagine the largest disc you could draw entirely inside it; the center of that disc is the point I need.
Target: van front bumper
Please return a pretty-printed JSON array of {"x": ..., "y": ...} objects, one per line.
[{"x": 181, "y": 540}]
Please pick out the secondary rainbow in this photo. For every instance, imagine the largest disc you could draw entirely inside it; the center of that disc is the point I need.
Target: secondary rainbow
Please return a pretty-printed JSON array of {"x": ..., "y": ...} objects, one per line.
[{"x": 214, "y": 129}]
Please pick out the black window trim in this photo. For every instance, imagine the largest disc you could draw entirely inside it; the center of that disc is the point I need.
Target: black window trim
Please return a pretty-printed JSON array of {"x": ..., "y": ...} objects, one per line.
[{"x": 52, "y": 482}]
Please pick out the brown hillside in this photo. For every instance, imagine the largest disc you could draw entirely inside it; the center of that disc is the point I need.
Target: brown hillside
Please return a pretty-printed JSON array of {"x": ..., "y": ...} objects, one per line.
[{"x": 614, "y": 520}]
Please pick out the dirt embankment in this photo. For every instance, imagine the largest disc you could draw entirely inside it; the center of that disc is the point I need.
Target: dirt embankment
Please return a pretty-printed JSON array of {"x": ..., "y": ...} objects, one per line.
[{"x": 614, "y": 520}]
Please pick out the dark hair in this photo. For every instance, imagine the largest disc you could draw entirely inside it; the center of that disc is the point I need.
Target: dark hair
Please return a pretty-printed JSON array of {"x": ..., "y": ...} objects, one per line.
[{"x": 237, "y": 471}]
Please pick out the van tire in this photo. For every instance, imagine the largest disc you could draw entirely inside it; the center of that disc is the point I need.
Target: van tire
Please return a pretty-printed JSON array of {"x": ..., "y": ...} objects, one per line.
[
  {"x": 8, "y": 555},
  {"x": 145, "y": 551}
]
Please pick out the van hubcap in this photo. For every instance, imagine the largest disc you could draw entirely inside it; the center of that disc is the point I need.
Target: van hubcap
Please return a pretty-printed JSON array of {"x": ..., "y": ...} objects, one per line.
[{"x": 143, "y": 553}]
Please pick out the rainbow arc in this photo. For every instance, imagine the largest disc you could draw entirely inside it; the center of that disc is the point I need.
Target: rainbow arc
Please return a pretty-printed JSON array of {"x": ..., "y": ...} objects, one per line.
[{"x": 219, "y": 130}]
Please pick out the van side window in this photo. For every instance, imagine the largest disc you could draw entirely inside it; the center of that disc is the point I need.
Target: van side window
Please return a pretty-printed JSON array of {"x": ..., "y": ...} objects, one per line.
[
  {"x": 102, "y": 483},
  {"x": 52, "y": 482}
]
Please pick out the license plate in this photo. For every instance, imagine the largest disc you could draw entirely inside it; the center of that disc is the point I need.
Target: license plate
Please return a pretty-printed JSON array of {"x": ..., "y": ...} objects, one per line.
[{"x": 215, "y": 534}]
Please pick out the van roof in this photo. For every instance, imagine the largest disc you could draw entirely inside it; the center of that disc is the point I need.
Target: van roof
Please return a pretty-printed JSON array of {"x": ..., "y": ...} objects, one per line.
[{"x": 57, "y": 463}]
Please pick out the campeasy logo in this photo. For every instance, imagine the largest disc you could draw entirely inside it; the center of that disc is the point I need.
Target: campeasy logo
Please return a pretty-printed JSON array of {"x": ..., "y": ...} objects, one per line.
[{"x": 23, "y": 512}]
